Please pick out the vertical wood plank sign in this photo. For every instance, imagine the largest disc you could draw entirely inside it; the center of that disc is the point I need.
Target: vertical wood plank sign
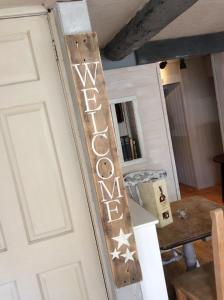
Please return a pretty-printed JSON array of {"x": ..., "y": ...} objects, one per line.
[{"x": 96, "y": 119}]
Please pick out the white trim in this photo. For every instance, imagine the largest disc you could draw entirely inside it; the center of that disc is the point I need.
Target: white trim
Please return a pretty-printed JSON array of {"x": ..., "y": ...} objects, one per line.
[
  {"x": 123, "y": 99},
  {"x": 56, "y": 29},
  {"x": 134, "y": 101},
  {"x": 22, "y": 11},
  {"x": 139, "y": 129},
  {"x": 117, "y": 134},
  {"x": 57, "y": 36},
  {"x": 132, "y": 162},
  {"x": 165, "y": 116}
]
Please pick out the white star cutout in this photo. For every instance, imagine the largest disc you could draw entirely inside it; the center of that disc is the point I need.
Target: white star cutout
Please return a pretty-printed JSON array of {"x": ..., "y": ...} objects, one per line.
[
  {"x": 128, "y": 255},
  {"x": 122, "y": 239},
  {"x": 115, "y": 254}
]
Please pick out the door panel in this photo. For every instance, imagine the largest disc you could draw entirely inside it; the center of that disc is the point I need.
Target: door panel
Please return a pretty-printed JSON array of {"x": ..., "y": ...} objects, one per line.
[
  {"x": 47, "y": 245},
  {"x": 70, "y": 278},
  {"x": 30, "y": 122},
  {"x": 21, "y": 67}
]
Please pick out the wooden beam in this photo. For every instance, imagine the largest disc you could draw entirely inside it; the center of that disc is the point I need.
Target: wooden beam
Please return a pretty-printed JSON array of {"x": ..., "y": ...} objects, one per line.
[
  {"x": 148, "y": 22},
  {"x": 175, "y": 48}
]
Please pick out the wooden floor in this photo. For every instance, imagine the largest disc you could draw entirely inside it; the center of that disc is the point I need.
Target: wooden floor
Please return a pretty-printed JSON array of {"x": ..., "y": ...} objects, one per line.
[
  {"x": 203, "y": 249},
  {"x": 213, "y": 193}
]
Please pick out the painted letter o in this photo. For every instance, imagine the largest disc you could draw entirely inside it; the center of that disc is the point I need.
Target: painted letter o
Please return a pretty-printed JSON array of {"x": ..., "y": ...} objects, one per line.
[{"x": 103, "y": 135}]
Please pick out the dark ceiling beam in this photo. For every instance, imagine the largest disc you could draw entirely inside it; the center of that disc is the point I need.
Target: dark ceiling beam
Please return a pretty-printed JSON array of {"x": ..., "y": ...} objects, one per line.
[
  {"x": 148, "y": 22},
  {"x": 176, "y": 48}
]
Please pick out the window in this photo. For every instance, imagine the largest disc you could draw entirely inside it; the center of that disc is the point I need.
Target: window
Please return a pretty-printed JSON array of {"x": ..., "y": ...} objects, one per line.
[{"x": 127, "y": 129}]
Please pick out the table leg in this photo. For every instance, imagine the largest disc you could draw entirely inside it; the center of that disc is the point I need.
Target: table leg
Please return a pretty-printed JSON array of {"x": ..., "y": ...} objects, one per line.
[
  {"x": 190, "y": 256},
  {"x": 222, "y": 179}
]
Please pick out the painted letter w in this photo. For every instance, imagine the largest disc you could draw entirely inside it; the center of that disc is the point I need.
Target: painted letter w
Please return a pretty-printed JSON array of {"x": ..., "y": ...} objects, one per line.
[{"x": 91, "y": 75}]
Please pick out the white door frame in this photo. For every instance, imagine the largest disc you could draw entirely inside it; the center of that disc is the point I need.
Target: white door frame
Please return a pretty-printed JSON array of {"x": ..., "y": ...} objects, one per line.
[
  {"x": 79, "y": 137},
  {"x": 57, "y": 40},
  {"x": 22, "y": 11}
]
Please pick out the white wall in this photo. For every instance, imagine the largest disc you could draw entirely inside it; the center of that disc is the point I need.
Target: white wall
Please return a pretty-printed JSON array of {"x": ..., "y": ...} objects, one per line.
[
  {"x": 72, "y": 18},
  {"x": 201, "y": 116},
  {"x": 202, "y": 113},
  {"x": 218, "y": 70},
  {"x": 128, "y": 61},
  {"x": 144, "y": 83},
  {"x": 179, "y": 134}
]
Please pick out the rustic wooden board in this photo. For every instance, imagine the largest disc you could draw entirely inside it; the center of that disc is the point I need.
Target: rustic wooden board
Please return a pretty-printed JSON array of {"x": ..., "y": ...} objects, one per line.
[
  {"x": 197, "y": 224},
  {"x": 89, "y": 87}
]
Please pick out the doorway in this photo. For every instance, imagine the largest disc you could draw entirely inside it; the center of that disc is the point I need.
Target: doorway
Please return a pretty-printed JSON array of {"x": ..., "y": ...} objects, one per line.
[
  {"x": 194, "y": 125},
  {"x": 46, "y": 232}
]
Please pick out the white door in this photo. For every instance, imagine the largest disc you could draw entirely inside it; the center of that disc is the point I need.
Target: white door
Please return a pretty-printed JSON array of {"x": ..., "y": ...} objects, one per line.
[
  {"x": 179, "y": 134},
  {"x": 48, "y": 250}
]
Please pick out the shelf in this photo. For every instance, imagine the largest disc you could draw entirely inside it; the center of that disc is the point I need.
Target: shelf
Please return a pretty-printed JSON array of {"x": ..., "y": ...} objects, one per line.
[
  {"x": 133, "y": 162},
  {"x": 128, "y": 130}
]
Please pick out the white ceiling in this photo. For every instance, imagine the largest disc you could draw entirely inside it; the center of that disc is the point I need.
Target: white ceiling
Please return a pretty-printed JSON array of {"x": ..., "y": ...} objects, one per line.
[
  {"x": 14, "y": 3},
  {"x": 206, "y": 16},
  {"x": 109, "y": 16}
]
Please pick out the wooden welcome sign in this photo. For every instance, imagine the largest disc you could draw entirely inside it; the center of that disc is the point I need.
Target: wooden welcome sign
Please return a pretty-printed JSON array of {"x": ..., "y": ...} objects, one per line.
[{"x": 95, "y": 113}]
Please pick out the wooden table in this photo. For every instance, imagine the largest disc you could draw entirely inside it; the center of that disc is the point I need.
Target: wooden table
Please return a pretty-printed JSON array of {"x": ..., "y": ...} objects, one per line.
[{"x": 197, "y": 225}]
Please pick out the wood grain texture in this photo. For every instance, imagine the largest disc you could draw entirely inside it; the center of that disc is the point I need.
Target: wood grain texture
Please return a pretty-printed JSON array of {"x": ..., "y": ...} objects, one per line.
[
  {"x": 143, "y": 83},
  {"x": 95, "y": 113},
  {"x": 218, "y": 250},
  {"x": 166, "y": 49},
  {"x": 148, "y": 22},
  {"x": 206, "y": 282},
  {"x": 180, "y": 295},
  {"x": 196, "y": 226},
  {"x": 198, "y": 284}
]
